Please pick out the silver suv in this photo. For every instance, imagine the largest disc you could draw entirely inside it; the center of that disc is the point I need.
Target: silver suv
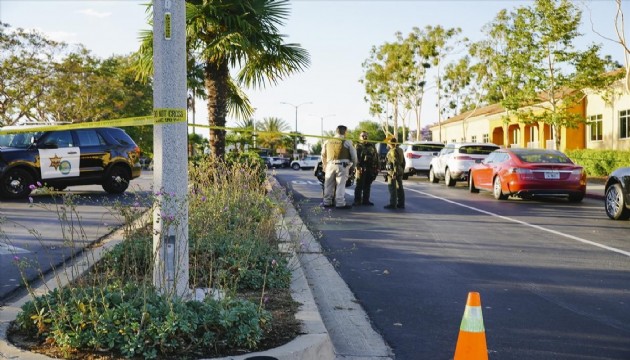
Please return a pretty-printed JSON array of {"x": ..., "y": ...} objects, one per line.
[
  {"x": 455, "y": 159},
  {"x": 418, "y": 157}
]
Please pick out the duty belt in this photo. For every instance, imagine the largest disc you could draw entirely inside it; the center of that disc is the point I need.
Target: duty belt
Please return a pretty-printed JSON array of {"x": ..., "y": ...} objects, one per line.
[{"x": 340, "y": 162}]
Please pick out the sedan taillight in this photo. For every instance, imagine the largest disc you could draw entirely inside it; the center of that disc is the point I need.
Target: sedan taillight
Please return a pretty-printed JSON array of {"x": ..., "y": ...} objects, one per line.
[{"x": 525, "y": 174}]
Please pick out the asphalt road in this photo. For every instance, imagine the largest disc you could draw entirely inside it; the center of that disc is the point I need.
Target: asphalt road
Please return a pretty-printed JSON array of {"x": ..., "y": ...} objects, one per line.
[
  {"x": 553, "y": 276},
  {"x": 41, "y": 235}
]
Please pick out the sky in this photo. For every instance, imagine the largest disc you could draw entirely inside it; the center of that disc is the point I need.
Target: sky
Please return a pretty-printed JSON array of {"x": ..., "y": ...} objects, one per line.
[{"x": 338, "y": 35}]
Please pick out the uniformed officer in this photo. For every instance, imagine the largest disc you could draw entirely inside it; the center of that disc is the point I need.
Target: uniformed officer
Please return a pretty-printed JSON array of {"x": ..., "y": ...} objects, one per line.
[
  {"x": 395, "y": 163},
  {"x": 366, "y": 171},
  {"x": 338, "y": 158}
]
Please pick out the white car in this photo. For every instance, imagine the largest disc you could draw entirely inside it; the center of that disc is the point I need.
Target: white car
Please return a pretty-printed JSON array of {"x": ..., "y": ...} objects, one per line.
[
  {"x": 308, "y": 162},
  {"x": 455, "y": 159},
  {"x": 418, "y": 157}
]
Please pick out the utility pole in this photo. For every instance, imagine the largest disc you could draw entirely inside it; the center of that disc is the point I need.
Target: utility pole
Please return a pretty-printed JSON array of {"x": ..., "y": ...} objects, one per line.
[
  {"x": 296, "y": 130},
  {"x": 170, "y": 137}
]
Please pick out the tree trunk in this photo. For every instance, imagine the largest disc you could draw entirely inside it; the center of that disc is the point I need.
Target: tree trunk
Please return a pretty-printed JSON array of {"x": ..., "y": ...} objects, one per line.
[{"x": 216, "y": 83}]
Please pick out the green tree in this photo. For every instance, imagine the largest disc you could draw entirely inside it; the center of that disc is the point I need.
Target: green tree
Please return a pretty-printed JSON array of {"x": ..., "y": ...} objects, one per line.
[
  {"x": 271, "y": 134},
  {"x": 240, "y": 35},
  {"x": 556, "y": 71},
  {"x": 27, "y": 66},
  {"x": 387, "y": 81}
]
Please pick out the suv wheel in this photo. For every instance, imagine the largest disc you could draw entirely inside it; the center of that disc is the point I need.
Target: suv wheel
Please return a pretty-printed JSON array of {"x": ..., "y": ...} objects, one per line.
[
  {"x": 448, "y": 179},
  {"x": 295, "y": 166},
  {"x": 432, "y": 177},
  {"x": 16, "y": 184},
  {"x": 117, "y": 180}
]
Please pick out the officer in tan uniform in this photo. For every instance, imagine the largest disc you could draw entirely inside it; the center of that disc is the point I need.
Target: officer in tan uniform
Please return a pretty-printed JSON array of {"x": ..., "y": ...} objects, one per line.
[{"x": 338, "y": 157}]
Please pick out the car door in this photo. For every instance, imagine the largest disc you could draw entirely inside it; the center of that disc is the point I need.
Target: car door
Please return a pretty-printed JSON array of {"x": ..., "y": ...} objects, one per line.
[
  {"x": 442, "y": 159},
  {"x": 484, "y": 172},
  {"x": 59, "y": 155},
  {"x": 94, "y": 153}
]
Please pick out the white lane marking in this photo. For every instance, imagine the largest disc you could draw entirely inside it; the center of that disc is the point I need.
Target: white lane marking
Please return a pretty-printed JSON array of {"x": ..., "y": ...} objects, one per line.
[
  {"x": 619, "y": 251},
  {"x": 8, "y": 249}
]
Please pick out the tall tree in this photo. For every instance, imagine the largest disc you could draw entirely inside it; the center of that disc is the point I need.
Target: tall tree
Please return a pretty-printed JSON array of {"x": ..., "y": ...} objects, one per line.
[
  {"x": 239, "y": 35},
  {"x": 557, "y": 70},
  {"x": 441, "y": 43},
  {"x": 27, "y": 66},
  {"x": 271, "y": 133}
]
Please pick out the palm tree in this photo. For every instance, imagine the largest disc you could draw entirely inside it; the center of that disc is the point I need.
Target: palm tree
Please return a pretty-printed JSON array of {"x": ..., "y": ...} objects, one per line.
[
  {"x": 234, "y": 34},
  {"x": 270, "y": 135}
]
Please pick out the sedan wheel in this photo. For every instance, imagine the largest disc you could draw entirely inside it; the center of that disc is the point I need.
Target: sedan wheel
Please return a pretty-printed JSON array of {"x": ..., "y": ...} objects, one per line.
[
  {"x": 497, "y": 191},
  {"x": 16, "y": 184},
  {"x": 615, "y": 203},
  {"x": 471, "y": 185},
  {"x": 432, "y": 177}
]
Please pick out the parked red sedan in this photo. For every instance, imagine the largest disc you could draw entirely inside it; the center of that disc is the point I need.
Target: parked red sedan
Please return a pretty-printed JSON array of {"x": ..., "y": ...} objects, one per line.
[{"x": 527, "y": 173}]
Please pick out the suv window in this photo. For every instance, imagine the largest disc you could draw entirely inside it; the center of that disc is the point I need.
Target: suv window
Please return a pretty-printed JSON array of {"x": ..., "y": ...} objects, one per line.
[
  {"x": 90, "y": 138},
  {"x": 121, "y": 136},
  {"x": 426, "y": 147},
  {"x": 477, "y": 150},
  {"x": 60, "y": 139}
]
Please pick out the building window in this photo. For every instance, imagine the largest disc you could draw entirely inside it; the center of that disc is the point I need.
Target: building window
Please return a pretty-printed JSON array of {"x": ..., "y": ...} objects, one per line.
[
  {"x": 595, "y": 126},
  {"x": 624, "y": 124},
  {"x": 486, "y": 138},
  {"x": 473, "y": 138}
]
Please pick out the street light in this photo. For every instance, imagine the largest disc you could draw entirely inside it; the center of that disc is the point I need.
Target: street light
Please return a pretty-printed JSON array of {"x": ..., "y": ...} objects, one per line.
[
  {"x": 322, "y": 122},
  {"x": 296, "y": 130}
]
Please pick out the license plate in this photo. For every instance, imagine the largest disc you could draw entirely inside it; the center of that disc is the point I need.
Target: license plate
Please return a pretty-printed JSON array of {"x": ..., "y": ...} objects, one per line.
[{"x": 552, "y": 175}]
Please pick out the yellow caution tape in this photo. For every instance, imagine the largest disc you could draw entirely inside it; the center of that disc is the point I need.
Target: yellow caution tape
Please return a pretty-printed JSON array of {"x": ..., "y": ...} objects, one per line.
[
  {"x": 169, "y": 116},
  {"x": 160, "y": 116}
]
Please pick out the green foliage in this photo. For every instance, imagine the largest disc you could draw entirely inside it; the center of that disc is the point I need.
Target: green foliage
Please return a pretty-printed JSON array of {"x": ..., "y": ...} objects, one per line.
[
  {"x": 233, "y": 246},
  {"x": 599, "y": 162},
  {"x": 243, "y": 32},
  {"x": 65, "y": 85},
  {"x": 137, "y": 321}
]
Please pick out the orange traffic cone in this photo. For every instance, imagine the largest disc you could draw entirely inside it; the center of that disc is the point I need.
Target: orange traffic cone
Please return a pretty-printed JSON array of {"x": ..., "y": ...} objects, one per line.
[{"x": 471, "y": 342}]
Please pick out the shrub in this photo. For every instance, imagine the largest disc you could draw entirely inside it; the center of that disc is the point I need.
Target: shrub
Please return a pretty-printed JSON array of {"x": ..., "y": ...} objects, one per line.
[
  {"x": 232, "y": 246},
  {"x": 599, "y": 162},
  {"x": 136, "y": 321}
]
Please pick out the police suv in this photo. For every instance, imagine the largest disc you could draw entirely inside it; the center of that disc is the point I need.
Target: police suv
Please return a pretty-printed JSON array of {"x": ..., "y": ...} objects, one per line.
[{"x": 66, "y": 157}]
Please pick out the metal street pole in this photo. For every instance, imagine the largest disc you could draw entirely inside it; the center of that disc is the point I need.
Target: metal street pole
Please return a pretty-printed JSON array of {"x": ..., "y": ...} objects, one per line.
[
  {"x": 322, "y": 123},
  {"x": 170, "y": 137},
  {"x": 296, "y": 122}
]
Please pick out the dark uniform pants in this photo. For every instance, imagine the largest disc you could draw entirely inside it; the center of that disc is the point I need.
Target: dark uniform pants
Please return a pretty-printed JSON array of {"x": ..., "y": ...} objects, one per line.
[
  {"x": 362, "y": 187},
  {"x": 396, "y": 192}
]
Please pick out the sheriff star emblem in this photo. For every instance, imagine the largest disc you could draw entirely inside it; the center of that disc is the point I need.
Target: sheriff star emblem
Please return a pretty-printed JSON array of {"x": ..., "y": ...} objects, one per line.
[{"x": 55, "y": 162}]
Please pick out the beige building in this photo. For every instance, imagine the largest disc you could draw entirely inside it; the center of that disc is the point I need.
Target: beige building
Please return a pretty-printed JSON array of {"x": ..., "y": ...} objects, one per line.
[{"x": 607, "y": 126}]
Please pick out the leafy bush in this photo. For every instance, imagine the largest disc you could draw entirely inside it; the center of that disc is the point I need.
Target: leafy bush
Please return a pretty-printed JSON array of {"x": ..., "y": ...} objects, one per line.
[
  {"x": 599, "y": 162},
  {"x": 232, "y": 246},
  {"x": 136, "y": 321}
]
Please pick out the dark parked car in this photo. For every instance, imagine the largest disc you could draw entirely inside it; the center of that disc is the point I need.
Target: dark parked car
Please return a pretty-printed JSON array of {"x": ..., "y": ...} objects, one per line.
[
  {"x": 61, "y": 158},
  {"x": 617, "y": 201}
]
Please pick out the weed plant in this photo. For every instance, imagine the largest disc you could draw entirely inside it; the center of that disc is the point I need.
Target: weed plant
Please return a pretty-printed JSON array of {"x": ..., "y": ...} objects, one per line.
[{"x": 233, "y": 247}]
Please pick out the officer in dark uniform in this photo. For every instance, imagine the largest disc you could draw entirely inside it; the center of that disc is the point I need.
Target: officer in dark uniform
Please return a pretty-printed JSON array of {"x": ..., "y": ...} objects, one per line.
[
  {"x": 395, "y": 164},
  {"x": 366, "y": 171}
]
